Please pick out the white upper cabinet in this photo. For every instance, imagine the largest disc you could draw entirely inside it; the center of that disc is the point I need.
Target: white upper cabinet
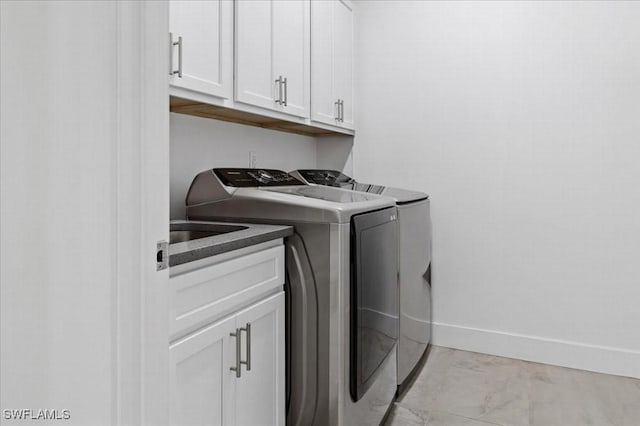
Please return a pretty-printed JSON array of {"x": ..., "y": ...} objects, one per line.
[
  {"x": 272, "y": 55},
  {"x": 201, "y": 48},
  {"x": 324, "y": 107},
  {"x": 254, "y": 59},
  {"x": 343, "y": 60},
  {"x": 332, "y": 62}
]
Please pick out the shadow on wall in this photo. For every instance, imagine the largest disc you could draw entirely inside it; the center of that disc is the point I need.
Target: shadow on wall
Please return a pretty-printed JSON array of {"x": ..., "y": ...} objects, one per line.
[{"x": 335, "y": 153}]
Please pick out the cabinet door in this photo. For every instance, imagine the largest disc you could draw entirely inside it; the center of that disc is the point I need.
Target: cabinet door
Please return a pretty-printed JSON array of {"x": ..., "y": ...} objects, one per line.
[
  {"x": 254, "y": 74},
  {"x": 272, "y": 42},
  {"x": 260, "y": 391},
  {"x": 202, "y": 386},
  {"x": 291, "y": 53},
  {"x": 343, "y": 59},
  {"x": 323, "y": 98},
  {"x": 206, "y": 28}
]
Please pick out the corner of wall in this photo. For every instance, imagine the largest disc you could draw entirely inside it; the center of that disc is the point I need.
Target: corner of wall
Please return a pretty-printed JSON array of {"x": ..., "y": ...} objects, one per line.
[{"x": 335, "y": 152}]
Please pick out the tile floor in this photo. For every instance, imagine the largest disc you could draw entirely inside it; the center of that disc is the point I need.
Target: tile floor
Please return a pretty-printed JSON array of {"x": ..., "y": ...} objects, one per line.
[{"x": 459, "y": 388}]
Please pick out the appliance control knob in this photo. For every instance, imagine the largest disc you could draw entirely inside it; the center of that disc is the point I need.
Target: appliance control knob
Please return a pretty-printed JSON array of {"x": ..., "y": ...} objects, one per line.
[
  {"x": 263, "y": 177},
  {"x": 264, "y": 174}
]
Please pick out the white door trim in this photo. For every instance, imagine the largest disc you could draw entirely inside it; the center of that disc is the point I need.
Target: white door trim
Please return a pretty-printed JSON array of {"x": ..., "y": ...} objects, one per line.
[{"x": 140, "y": 306}]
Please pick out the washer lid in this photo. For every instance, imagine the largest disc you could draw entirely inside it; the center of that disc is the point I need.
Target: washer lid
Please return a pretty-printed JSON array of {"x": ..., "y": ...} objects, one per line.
[
  {"x": 323, "y": 177},
  {"x": 338, "y": 179},
  {"x": 335, "y": 195}
]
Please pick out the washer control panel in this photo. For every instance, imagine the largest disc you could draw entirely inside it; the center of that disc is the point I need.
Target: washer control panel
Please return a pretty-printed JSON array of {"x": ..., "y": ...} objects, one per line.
[{"x": 243, "y": 178}]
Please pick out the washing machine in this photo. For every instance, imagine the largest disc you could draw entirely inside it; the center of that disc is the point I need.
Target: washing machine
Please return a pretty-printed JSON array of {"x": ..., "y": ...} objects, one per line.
[
  {"x": 414, "y": 249},
  {"x": 341, "y": 288}
]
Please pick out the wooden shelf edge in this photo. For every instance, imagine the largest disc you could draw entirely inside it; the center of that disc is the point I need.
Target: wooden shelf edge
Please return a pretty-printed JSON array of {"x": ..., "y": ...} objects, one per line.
[{"x": 199, "y": 109}]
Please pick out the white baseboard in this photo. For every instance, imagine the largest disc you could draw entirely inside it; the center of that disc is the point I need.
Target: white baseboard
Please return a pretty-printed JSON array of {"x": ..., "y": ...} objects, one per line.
[{"x": 601, "y": 359}]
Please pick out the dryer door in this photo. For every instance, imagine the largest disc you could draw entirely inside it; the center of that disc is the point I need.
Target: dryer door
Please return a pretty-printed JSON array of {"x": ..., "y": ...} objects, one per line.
[{"x": 374, "y": 296}]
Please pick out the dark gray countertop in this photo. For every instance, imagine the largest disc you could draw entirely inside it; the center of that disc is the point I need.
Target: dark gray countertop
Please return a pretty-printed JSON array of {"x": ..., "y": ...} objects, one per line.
[{"x": 191, "y": 250}]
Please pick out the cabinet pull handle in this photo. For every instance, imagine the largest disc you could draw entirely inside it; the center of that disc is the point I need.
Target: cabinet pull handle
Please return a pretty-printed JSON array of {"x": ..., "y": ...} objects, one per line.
[
  {"x": 170, "y": 53},
  {"x": 171, "y": 46},
  {"x": 279, "y": 83},
  {"x": 285, "y": 92},
  {"x": 237, "y": 368},
  {"x": 247, "y": 328},
  {"x": 180, "y": 56},
  {"x": 337, "y": 109}
]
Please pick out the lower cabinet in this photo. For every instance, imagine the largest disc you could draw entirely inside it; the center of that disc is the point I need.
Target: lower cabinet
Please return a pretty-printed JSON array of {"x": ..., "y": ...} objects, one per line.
[
  {"x": 232, "y": 372},
  {"x": 202, "y": 386}
]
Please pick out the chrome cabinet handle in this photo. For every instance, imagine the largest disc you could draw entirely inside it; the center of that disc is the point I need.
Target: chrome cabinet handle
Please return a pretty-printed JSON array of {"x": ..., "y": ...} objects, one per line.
[
  {"x": 285, "y": 92},
  {"x": 340, "y": 115},
  {"x": 180, "y": 56},
  {"x": 170, "y": 53},
  {"x": 238, "y": 362},
  {"x": 247, "y": 362},
  {"x": 279, "y": 83},
  {"x": 171, "y": 46},
  {"x": 337, "y": 109}
]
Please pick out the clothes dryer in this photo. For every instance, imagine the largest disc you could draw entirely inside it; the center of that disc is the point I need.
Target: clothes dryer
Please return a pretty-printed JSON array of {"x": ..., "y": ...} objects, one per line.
[{"x": 414, "y": 248}]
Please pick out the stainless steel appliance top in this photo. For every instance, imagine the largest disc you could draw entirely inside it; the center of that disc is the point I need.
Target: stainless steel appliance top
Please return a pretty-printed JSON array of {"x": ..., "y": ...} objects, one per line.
[
  {"x": 274, "y": 195},
  {"x": 334, "y": 178}
]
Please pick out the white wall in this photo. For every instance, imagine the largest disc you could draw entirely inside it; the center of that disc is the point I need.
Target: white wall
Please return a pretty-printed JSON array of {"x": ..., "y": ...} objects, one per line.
[
  {"x": 522, "y": 120},
  {"x": 198, "y": 144},
  {"x": 84, "y": 173},
  {"x": 58, "y": 84}
]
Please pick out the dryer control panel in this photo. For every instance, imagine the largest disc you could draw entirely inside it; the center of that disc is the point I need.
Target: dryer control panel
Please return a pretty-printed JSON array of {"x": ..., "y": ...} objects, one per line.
[{"x": 244, "y": 178}]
